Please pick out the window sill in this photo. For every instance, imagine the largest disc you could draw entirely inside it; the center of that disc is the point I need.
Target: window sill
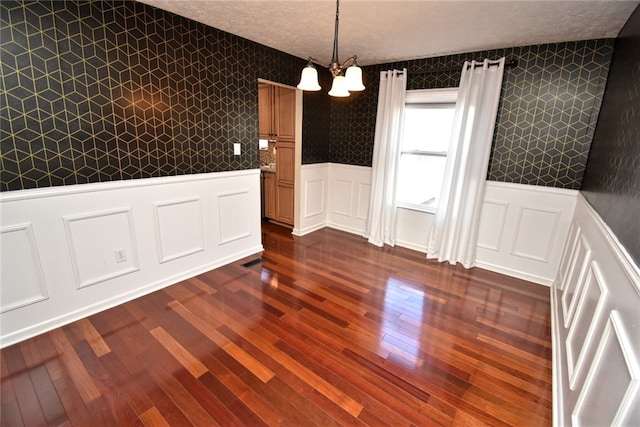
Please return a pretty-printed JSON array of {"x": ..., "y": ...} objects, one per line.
[{"x": 420, "y": 208}]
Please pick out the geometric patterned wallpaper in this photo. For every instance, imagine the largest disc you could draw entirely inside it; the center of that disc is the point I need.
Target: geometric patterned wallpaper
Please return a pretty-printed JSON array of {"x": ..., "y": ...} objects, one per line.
[
  {"x": 548, "y": 109},
  {"x": 612, "y": 179},
  {"x": 316, "y": 121},
  {"x": 102, "y": 91}
]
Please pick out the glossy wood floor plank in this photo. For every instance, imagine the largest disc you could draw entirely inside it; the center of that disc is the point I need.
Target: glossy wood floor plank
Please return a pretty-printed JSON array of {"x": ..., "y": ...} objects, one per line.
[{"x": 325, "y": 330}]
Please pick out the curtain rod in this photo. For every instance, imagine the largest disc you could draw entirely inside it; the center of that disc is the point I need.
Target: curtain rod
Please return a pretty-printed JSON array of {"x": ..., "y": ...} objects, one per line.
[{"x": 510, "y": 63}]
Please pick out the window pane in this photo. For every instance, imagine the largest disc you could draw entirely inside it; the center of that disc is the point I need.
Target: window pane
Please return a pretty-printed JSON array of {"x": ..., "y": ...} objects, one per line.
[
  {"x": 427, "y": 127},
  {"x": 420, "y": 179}
]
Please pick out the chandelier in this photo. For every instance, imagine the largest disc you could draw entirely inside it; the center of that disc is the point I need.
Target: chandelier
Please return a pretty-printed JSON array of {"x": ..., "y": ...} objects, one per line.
[{"x": 343, "y": 83}]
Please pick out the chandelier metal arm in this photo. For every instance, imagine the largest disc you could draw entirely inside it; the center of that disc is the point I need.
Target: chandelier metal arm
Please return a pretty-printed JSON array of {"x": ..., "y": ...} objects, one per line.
[{"x": 335, "y": 67}]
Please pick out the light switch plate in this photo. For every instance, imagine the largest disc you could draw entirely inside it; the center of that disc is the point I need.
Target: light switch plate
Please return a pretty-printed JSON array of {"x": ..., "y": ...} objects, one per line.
[{"x": 236, "y": 148}]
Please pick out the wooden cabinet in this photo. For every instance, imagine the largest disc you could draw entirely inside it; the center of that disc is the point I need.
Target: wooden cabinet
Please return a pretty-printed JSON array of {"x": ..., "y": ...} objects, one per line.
[
  {"x": 265, "y": 111},
  {"x": 285, "y": 162},
  {"x": 285, "y": 178},
  {"x": 277, "y": 122},
  {"x": 285, "y": 107},
  {"x": 284, "y": 208},
  {"x": 270, "y": 195},
  {"x": 276, "y": 112}
]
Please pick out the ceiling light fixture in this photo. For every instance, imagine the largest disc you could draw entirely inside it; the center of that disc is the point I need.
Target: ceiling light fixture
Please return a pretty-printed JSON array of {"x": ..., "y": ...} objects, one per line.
[{"x": 343, "y": 83}]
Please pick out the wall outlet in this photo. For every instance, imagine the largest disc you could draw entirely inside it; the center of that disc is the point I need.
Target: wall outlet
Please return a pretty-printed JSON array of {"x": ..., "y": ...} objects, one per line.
[
  {"x": 236, "y": 148},
  {"x": 121, "y": 255}
]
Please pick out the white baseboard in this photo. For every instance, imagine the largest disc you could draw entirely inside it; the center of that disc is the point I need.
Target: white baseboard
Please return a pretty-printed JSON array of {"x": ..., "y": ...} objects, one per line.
[
  {"x": 518, "y": 274},
  {"x": 342, "y": 227},
  {"x": 411, "y": 245},
  {"x": 308, "y": 230}
]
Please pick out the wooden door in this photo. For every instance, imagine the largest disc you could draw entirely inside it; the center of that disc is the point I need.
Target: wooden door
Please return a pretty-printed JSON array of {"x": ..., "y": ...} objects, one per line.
[
  {"x": 284, "y": 198},
  {"x": 265, "y": 111},
  {"x": 285, "y": 162},
  {"x": 285, "y": 113},
  {"x": 270, "y": 195},
  {"x": 285, "y": 178}
]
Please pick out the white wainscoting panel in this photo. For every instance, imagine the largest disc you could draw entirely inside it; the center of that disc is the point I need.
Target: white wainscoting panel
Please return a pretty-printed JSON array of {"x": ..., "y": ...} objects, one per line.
[
  {"x": 349, "y": 193},
  {"x": 314, "y": 198},
  {"x": 595, "y": 328},
  {"x": 531, "y": 240},
  {"x": 166, "y": 229},
  {"x": 314, "y": 205},
  {"x": 413, "y": 228},
  {"x": 523, "y": 229},
  {"x": 341, "y": 197},
  {"x": 492, "y": 217},
  {"x": 179, "y": 228},
  {"x": 21, "y": 278},
  {"x": 234, "y": 219},
  {"x": 363, "y": 198},
  {"x": 575, "y": 279},
  {"x": 609, "y": 394},
  {"x": 587, "y": 320},
  {"x": 565, "y": 263},
  {"x": 93, "y": 240}
]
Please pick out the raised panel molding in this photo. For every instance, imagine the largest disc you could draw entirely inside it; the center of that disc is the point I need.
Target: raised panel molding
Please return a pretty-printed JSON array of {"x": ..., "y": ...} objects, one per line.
[
  {"x": 179, "y": 228},
  {"x": 580, "y": 260},
  {"x": 535, "y": 231},
  {"x": 569, "y": 249},
  {"x": 21, "y": 274},
  {"x": 364, "y": 194},
  {"x": 586, "y": 322},
  {"x": 609, "y": 395},
  {"x": 315, "y": 197},
  {"x": 341, "y": 197},
  {"x": 234, "y": 220},
  {"x": 493, "y": 216},
  {"x": 93, "y": 240}
]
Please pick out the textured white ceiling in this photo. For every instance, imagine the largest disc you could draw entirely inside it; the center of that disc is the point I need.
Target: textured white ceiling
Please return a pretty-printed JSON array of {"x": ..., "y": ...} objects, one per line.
[{"x": 381, "y": 31}]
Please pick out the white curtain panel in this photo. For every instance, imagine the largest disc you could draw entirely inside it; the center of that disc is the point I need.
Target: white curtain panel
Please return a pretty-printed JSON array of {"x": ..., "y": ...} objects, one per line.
[
  {"x": 381, "y": 222},
  {"x": 455, "y": 232}
]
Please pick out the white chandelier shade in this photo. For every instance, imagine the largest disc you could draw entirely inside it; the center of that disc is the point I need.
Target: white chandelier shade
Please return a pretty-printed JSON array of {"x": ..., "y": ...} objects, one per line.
[
  {"x": 339, "y": 87},
  {"x": 353, "y": 77},
  {"x": 309, "y": 78}
]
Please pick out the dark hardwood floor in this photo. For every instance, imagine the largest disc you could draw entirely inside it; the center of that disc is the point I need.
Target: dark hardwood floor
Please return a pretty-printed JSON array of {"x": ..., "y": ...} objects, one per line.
[{"x": 327, "y": 330}]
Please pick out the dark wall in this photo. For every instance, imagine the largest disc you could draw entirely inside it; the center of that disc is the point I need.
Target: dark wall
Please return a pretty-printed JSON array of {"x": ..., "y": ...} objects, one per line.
[
  {"x": 316, "y": 119},
  {"x": 104, "y": 91},
  {"x": 612, "y": 179},
  {"x": 546, "y": 118}
]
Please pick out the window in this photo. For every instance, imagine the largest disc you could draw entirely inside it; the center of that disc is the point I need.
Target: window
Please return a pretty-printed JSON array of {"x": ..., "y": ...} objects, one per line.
[{"x": 428, "y": 121}]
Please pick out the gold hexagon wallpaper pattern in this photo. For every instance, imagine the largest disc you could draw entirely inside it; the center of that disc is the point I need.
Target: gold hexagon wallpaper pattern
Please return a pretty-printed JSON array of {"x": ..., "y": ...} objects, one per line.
[
  {"x": 102, "y": 91},
  {"x": 547, "y": 114},
  {"x": 612, "y": 180}
]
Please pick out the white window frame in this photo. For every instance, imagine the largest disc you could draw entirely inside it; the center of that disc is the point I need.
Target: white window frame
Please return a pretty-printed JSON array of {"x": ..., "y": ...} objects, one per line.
[{"x": 427, "y": 96}]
